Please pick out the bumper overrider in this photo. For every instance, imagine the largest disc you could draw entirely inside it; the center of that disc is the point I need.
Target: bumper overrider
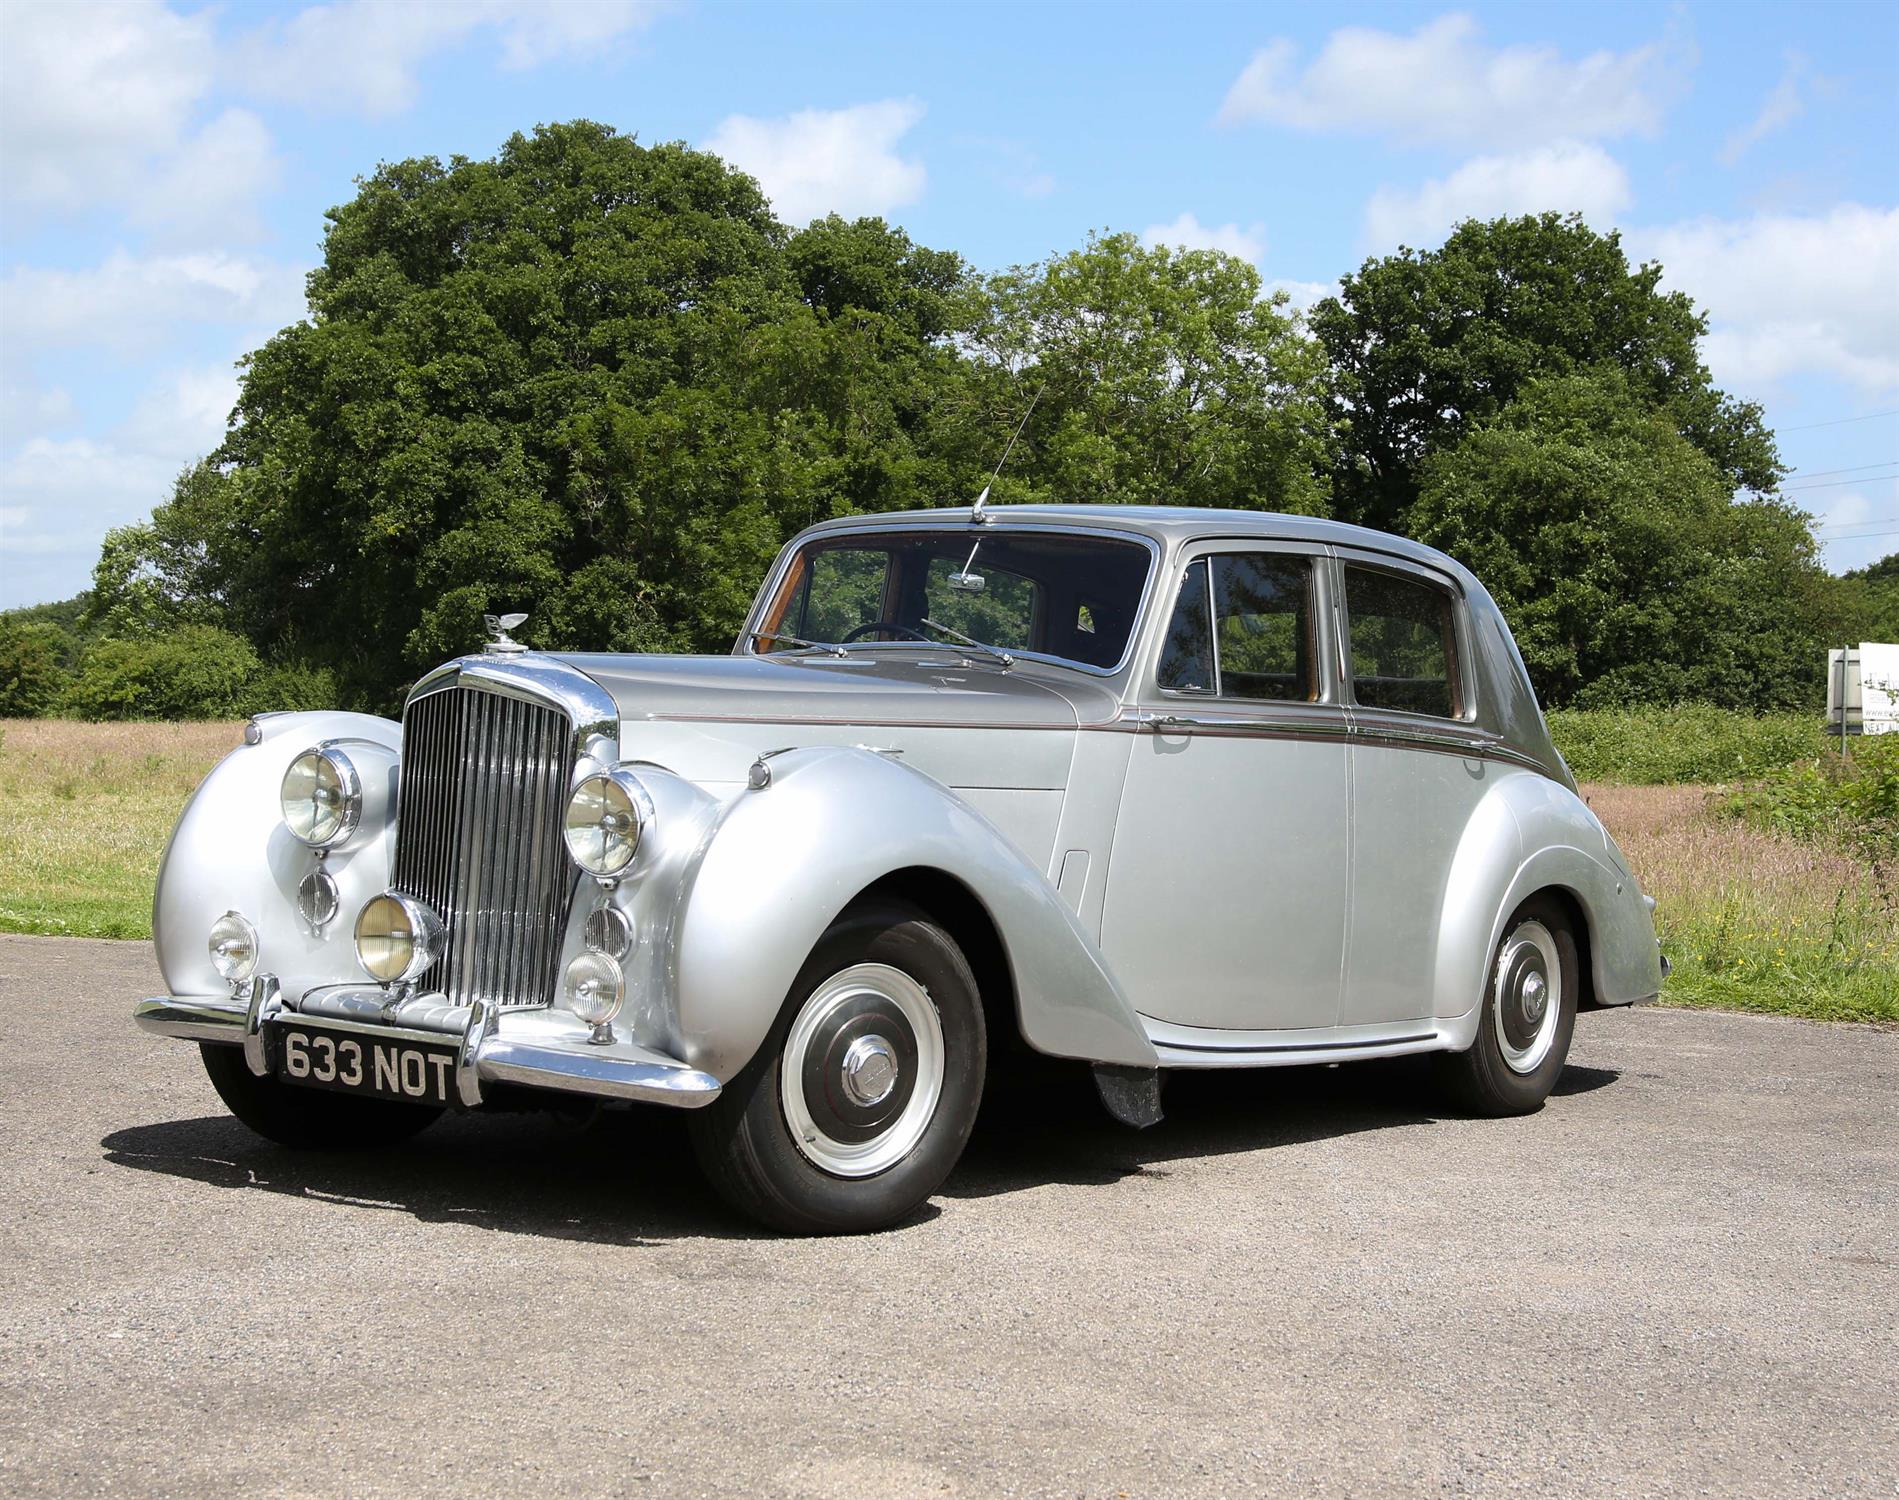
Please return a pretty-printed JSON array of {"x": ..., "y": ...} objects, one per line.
[{"x": 545, "y": 1048}]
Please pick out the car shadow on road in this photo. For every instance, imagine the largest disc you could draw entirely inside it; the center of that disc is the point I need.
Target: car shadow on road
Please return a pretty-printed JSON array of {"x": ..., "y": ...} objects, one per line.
[
  {"x": 625, "y": 1178},
  {"x": 1044, "y": 1124},
  {"x": 628, "y": 1178}
]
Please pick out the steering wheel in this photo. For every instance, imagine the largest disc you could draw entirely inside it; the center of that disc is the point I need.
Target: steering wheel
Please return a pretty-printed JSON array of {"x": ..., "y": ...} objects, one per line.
[{"x": 887, "y": 627}]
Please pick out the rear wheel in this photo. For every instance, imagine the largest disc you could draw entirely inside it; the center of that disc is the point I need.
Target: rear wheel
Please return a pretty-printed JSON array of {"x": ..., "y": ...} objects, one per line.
[
  {"x": 308, "y": 1119},
  {"x": 861, "y": 1100},
  {"x": 1529, "y": 1013}
]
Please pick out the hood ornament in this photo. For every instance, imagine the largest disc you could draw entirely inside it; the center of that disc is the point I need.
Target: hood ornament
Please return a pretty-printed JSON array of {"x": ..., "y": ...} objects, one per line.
[{"x": 500, "y": 642}]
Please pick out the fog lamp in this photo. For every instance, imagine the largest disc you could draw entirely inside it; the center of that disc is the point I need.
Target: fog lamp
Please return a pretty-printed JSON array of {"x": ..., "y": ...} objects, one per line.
[
  {"x": 593, "y": 987},
  {"x": 234, "y": 948},
  {"x": 398, "y": 939}
]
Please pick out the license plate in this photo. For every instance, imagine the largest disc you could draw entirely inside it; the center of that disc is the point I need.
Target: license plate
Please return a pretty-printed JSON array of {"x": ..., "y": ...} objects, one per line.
[{"x": 354, "y": 1063}]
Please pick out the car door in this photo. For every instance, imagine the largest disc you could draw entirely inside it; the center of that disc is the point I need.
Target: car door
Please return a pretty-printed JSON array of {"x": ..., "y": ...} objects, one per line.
[
  {"x": 1417, "y": 775},
  {"x": 1227, "y": 887}
]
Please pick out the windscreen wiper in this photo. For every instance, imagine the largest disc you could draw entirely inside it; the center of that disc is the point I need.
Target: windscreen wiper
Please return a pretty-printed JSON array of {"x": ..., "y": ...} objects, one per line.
[
  {"x": 994, "y": 653},
  {"x": 797, "y": 640}
]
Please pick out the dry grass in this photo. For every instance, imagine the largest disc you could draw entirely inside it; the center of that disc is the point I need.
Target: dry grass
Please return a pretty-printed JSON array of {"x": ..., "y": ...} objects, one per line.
[
  {"x": 1756, "y": 920},
  {"x": 85, "y": 810}
]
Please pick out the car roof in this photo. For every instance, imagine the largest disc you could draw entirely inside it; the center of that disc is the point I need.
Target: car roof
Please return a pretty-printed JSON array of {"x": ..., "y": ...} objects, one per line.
[{"x": 1168, "y": 524}]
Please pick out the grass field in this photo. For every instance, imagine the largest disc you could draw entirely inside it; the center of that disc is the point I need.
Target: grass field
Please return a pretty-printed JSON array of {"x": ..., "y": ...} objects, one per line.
[
  {"x": 1750, "y": 919},
  {"x": 85, "y": 810}
]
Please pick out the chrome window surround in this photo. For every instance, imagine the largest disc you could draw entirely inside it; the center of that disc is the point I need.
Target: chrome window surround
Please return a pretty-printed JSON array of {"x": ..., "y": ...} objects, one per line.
[
  {"x": 1324, "y": 606},
  {"x": 746, "y": 646}
]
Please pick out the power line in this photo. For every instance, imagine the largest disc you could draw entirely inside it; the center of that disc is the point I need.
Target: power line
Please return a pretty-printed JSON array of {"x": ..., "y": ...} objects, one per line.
[
  {"x": 1834, "y": 484},
  {"x": 1867, "y": 521},
  {"x": 1854, "y": 469},
  {"x": 1840, "y": 421},
  {"x": 1858, "y": 536}
]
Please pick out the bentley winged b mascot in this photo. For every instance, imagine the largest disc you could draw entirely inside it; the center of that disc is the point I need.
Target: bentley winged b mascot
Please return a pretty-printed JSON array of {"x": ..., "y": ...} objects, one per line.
[{"x": 1148, "y": 788}]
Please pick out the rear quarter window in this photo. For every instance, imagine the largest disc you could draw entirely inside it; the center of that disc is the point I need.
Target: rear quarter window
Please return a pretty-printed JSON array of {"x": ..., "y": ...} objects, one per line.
[{"x": 1404, "y": 643}]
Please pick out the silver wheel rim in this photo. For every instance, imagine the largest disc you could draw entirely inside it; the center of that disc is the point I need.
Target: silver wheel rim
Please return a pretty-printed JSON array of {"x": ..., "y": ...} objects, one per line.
[
  {"x": 862, "y": 1070},
  {"x": 1527, "y": 996}
]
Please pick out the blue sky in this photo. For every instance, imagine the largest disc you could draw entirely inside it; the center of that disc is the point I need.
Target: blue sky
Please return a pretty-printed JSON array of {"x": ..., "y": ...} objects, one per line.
[{"x": 164, "y": 171}]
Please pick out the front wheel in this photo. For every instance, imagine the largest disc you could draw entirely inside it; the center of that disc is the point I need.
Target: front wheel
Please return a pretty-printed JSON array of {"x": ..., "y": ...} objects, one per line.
[
  {"x": 861, "y": 1100},
  {"x": 1529, "y": 1013},
  {"x": 308, "y": 1119}
]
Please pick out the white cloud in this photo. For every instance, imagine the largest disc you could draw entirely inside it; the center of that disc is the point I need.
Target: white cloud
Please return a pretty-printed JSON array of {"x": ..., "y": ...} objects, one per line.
[
  {"x": 1188, "y": 233},
  {"x": 91, "y": 92},
  {"x": 1301, "y": 295},
  {"x": 128, "y": 302},
  {"x": 1781, "y": 108},
  {"x": 821, "y": 161},
  {"x": 363, "y": 54},
  {"x": 1566, "y": 176},
  {"x": 1442, "y": 83},
  {"x": 207, "y": 189},
  {"x": 1789, "y": 293}
]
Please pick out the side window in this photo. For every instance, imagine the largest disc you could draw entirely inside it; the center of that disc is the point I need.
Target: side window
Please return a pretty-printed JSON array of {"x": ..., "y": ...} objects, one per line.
[
  {"x": 1404, "y": 651},
  {"x": 1262, "y": 602},
  {"x": 1186, "y": 664}
]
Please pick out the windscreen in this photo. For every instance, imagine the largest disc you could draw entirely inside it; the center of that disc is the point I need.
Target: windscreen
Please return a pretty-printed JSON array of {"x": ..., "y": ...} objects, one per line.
[{"x": 1071, "y": 596}]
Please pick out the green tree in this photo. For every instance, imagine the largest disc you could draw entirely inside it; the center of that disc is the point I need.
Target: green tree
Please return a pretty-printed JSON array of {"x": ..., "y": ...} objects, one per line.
[
  {"x": 1166, "y": 377},
  {"x": 1424, "y": 345},
  {"x": 1611, "y": 544},
  {"x": 33, "y": 678},
  {"x": 583, "y": 379},
  {"x": 193, "y": 672}
]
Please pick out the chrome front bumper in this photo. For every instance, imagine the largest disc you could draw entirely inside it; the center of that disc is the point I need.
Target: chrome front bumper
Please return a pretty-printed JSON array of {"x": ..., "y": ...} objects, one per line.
[{"x": 537, "y": 1048}]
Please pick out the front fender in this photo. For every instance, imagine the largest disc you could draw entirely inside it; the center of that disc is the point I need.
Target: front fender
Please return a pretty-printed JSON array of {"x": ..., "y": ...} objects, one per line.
[
  {"x": 1530, "y": 834},
  {"x": 231, "y": 852},
  {"x": 784, "y": 861}
]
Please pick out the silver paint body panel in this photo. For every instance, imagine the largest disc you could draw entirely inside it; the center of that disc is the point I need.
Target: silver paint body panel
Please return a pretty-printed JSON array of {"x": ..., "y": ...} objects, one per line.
[{"x": 1264, "y": 883}]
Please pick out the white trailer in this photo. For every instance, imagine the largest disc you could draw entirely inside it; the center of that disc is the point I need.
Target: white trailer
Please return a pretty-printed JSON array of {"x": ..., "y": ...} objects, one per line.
[{"x": 1862, "y": 683}]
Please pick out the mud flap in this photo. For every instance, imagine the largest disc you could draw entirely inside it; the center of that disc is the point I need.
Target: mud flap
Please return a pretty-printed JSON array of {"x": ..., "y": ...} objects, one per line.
[{"x": 1131, "y": 1095}]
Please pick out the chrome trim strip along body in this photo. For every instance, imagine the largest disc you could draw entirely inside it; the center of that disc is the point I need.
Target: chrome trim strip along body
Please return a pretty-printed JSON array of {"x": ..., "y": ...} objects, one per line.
[
  {"x": 505, "y": 1048},
  {"x": 746, "y": 645}
]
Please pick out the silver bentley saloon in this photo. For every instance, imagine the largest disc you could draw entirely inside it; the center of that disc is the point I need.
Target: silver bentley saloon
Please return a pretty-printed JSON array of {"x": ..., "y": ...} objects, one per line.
[{"x": 1147, "y": 788}]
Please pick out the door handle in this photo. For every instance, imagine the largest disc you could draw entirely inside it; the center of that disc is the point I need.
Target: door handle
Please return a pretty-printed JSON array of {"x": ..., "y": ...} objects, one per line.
[{"x": 1165, "y": 723}]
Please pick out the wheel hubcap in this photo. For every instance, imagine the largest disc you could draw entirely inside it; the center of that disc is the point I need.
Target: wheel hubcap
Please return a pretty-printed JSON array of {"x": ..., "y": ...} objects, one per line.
[
  {"x": 862, "y": 1070},
  {"x": 1527, "y": 996}
]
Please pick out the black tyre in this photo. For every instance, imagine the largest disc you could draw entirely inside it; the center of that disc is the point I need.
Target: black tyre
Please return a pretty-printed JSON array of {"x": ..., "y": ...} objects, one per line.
[
  {"x": 1528, "y": 1016},
  {"x": 308, "y": 1119},
  {"x": 861, "y": 1099}
]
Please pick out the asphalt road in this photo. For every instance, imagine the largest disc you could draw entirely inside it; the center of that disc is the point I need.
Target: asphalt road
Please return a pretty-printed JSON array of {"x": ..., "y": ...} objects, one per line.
[{"x": 1678, "y": 1279}]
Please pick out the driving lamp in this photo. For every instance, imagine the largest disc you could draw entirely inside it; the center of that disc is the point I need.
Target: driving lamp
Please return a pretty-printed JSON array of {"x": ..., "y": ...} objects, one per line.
[
  {"x": 398, "y": 939},
  {"x": 605, "y": 818},
  {"x": 593, "y": 987},
  {"x": 233, "y": 948},
  {"x": 322, "y": 797}
]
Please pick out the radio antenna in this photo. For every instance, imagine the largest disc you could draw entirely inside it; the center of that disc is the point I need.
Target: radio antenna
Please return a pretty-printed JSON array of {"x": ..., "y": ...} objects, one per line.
[{"x": 979, "y": 512}]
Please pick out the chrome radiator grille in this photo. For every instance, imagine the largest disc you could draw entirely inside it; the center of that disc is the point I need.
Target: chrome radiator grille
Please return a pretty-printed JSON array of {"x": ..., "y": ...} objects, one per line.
[{"x": 478, "y": 838}]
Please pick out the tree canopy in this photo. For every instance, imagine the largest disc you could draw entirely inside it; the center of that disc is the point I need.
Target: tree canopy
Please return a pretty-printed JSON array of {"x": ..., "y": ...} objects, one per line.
[
  {"x": 600, "y": 381},
  {"x": 1422, "y": 345}
]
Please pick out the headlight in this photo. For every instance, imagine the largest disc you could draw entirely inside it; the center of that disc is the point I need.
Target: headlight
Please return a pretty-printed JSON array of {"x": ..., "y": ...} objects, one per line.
[
  {"x": 398, "y": 939},
  {"x": 605, "y": 818},
  {"x": 322, "y": 797},
  {"x": 234, "y": 948},
  {"x": 593, "y": 987}
]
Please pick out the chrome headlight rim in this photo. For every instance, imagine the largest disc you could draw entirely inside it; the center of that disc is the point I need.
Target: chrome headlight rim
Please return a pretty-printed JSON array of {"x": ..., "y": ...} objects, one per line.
[
  {"x": 621, "y": 791},
  {"x": 349, "y": 808},
  {"x": 427, "y": 937}
]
